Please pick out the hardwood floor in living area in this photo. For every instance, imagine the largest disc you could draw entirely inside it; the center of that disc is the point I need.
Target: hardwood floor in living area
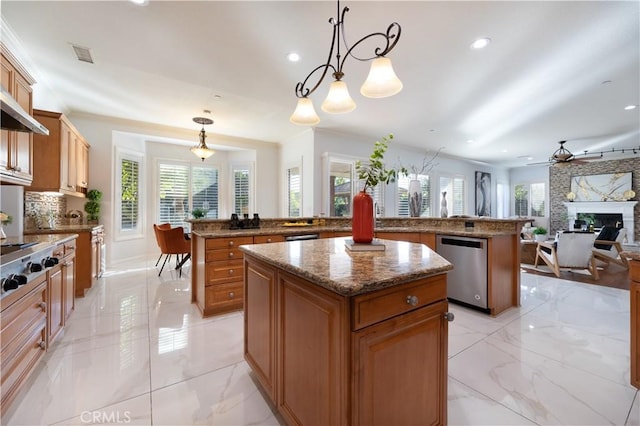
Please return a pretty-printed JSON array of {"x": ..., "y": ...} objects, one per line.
[{"x": 610, "y": 276}]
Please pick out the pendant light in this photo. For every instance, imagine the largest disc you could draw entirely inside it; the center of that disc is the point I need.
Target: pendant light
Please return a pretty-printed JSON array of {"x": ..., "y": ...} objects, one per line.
[
  {"x": 381, "y": 82},
  {"x": 202, "y": 150}
]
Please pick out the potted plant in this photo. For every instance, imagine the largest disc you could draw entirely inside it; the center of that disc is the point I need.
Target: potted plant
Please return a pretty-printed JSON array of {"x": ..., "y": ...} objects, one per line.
[
  {"x": 372, "y": 174},
  {"x": 540, "y": 233},
  {"x": 198, "y": 213},
  {"x": 92, "y": 207}
]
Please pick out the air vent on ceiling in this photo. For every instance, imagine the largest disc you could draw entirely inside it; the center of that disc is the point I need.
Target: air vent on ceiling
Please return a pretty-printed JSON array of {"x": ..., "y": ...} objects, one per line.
[{"x": 82, "y": 53}]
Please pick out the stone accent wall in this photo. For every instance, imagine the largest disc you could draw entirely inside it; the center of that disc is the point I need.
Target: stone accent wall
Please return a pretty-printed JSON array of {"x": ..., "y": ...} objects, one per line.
[
  {"x": 560, "y": 184},
  {"x": 43, "y": 210}
]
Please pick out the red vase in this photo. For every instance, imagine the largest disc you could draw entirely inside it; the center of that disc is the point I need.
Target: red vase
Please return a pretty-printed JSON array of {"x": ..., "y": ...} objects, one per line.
[{"x": 362, "y": 220}]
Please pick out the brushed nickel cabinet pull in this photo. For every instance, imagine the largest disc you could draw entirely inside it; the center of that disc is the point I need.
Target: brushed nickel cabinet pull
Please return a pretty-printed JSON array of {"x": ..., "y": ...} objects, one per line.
[
  {"x": 412, "y": 300},
  {"x": 449, "y": 316}
]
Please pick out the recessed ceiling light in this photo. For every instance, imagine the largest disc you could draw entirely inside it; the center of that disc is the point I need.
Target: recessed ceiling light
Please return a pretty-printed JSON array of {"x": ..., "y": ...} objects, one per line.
[
  {"x": 504, "y": 150},
  {"x": 293, "y": 57},
  {"x": 140, "y": 2},
  {"x": 480, "y": 43},
  {"x": 470, "y": 141},
  {"x": 630, "y": 107}
]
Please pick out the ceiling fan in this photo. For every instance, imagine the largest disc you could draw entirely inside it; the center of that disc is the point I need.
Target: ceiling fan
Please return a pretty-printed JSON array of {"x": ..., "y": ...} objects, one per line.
[{"x": 563, "y": 156}]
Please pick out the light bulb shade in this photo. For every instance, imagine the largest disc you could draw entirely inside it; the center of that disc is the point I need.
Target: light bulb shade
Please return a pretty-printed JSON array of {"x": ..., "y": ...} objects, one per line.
[
  {"x": 202, "y": 150},
  {"x": 629, "y": 194},
  {"x": 305, "y": 113},
  {"x": 338, "y": 100},
  {"x": 571, "y": 196},
  {"x": 382, "y": 80}
]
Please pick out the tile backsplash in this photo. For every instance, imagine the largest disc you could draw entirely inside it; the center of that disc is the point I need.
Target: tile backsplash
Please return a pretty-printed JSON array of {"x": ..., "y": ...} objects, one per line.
[{"x": 42, "y": 210}]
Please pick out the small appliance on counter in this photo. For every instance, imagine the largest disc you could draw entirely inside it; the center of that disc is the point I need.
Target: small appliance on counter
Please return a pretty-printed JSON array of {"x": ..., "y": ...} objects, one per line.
[{"x": 245, "y": 223}]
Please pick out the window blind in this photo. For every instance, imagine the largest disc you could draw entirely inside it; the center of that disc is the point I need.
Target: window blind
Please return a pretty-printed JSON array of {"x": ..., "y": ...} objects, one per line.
[{"x": 129, "y": 190}]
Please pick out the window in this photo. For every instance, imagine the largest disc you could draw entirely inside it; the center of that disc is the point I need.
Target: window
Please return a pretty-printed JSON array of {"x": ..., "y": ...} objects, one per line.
[
  {"x": 452, "y": 195},
  {"x": 530, "y": 199},
  {"x": 294, "y": 192},
  {"x": 128, "y": 194},
  {"x": 403, "y": 195},
  {"x": 241, "y": 190},
  {"x": 340, "y": 193},
  {"x": 183, "y": 188}
]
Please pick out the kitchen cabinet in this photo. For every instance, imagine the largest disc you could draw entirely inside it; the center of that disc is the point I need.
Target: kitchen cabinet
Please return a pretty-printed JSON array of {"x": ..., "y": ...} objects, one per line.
[
  {"x": 217, "y": 278},
  {"x": 97, "y": 241},
  {"x": 55, "y": 313},
  {"x": 87, "y": 258},
  {"x": 66, "y": 254},
  {"x": 60, "y": 158},
  {"x": 16, "y": 148},
  {"x": 378, "y": 357},
  {"x": 265, "y": 239},
  {"x": 22, "y": 338},
  {"x": 412, "y": 237},
  {"x": 634, "y": 277}
]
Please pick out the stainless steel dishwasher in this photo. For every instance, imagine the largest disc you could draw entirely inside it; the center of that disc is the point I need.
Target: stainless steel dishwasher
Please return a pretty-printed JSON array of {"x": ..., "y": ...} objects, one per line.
[{"x": 467, "y": 282}]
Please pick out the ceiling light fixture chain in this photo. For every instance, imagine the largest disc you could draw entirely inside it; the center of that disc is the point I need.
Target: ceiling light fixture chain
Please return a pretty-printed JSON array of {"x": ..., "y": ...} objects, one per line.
[{"x": 381, "y": 82}]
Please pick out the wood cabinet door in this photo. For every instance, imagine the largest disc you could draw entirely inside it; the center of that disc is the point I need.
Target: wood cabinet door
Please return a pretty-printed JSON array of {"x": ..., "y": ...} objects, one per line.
[
  {"x": 7, "y": 73},
  {"x": 82, "y": 165},
  {"x": 65, "y": 149},
  {"x": 313, "y": 344},
  {"x": 68, "y": 286},
  {"x": 260, "y": 324},
  {"x": 634, "y": 296},
  {"x": 428, "y": 239},
  {"x": 414, "y": 390},
  {"x": 22, "y": 156},
  {"x": 55, "y": 314}
]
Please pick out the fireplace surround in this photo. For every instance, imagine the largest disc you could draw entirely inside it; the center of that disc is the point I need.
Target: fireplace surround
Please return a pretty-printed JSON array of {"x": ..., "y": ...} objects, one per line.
[{"x": 625, "y": 208}]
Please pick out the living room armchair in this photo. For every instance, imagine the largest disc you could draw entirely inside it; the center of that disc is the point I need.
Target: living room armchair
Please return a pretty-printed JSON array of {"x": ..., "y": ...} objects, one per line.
[
  {"x": 608, "y": 246},
  {"x": 571, "y": 250}
]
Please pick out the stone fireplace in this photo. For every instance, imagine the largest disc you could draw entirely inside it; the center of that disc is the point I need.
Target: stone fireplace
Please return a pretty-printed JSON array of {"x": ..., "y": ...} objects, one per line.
[{"x": 608, "y": 211}]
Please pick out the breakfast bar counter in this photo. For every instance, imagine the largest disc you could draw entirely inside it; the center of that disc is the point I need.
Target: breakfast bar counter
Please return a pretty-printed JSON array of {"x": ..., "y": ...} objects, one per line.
[{"x": 336, "y": 336}]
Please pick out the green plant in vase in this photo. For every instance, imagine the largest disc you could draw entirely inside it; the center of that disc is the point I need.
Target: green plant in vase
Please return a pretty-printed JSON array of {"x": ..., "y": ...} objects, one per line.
[
  {"x": 373, "y": 173},
  {"x": 92, "y": 207},
  {"x": 540, "y": 233},
  {"x": 198, "y": 213}
]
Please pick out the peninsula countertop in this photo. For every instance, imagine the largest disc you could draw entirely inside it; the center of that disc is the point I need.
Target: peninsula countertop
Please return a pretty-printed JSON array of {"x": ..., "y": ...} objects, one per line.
[{"x": 329, "y": 264}]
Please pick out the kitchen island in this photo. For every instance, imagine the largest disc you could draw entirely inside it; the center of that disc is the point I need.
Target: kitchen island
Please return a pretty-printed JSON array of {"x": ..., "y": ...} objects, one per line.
[
  {"x": 633, "y": 254},
  {"x": 342, "y": 337}
]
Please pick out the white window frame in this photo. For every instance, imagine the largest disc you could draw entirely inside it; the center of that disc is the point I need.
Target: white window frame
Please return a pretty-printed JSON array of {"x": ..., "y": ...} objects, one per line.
[
  {"x": 287, "y": 199},
  {"x": 232, "y": 186},
  {"x": 529, "y": 184},
  {"x": 450, "y": 195},
  {"x": 138, "y": 232}
]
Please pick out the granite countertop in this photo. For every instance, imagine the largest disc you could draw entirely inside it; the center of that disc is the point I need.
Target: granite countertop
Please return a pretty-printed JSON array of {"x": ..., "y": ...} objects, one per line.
[
  {"x": 62, "y": 229},
  {"x": 328, "y": 263},
  {"x": 631, "y": 252},
  {"x": 303, "y": 230},
  {"x": 41, "y": 242}
]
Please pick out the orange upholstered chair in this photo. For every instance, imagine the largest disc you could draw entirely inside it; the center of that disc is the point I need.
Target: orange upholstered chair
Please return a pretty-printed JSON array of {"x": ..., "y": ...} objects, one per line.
[
  {"x": 173, "y": 241},
  {"x": 155, "y": 231}
]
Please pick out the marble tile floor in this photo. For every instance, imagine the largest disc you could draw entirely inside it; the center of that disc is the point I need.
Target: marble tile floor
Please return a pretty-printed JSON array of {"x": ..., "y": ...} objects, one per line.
[{"x": 137, "y": 352}]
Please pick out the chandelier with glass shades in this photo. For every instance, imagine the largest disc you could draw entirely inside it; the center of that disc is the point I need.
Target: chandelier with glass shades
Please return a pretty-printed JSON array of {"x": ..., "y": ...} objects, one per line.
[
  {"x": 381, "y": 82},
  {"x": 202, "y": 150}
]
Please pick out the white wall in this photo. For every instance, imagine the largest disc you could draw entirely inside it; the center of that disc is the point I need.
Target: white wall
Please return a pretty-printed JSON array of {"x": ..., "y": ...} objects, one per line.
[
  {"x": 299, "y": 150},
  {"x": 104, "y": 134},
  {"x": 359, "y": 147}
]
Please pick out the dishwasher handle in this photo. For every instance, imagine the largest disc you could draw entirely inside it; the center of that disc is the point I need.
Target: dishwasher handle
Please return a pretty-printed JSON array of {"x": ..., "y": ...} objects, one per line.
[{"x": 462, "y": 243}]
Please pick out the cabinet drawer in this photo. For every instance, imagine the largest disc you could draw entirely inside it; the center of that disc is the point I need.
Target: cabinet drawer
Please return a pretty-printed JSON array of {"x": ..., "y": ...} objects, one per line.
[
  {"x": 263, "y": 239},
  {"x": 220, "y": 243},
  {"x": 224, "y": 271},
  {"x": 225, "y": 293},
  {"x": 223, "y": 254},
  {"x": 378, "y": 306}
]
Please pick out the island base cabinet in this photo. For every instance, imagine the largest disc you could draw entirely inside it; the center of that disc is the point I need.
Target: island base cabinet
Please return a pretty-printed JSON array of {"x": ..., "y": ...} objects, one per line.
[
  {"x": 319, "y": 362},
  {"x": 312, "y": 364},
  {"x": 634, "y": 296},
  {"x": 402, "y": 394}
]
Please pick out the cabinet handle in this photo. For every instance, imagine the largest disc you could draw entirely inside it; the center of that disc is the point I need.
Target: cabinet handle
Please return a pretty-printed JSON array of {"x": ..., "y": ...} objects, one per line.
[
  {"x": 18, "y": 169},
  {"x": 231, "y": 243},
  {"x": 42, "y": 345},
  {"x": 268, "y": 240},
  {"x": 231, "y": 254},
  {"x": 412, "y": 300},
  {"x": 231, "y": 295},
  {"x": 43, "y": 306},
  {"x": 230, "y": 271},
  {"x": 449, "y": 316}
]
